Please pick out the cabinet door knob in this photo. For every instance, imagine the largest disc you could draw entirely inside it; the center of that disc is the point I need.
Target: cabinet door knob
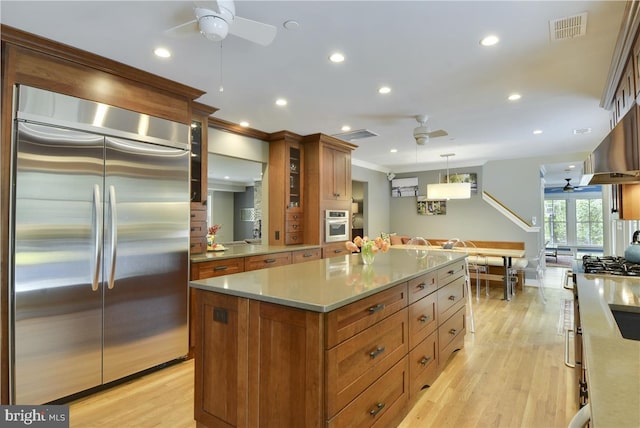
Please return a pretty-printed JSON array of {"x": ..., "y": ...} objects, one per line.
[
  {"x": 425, "y": 360},
  {"x": 421, "y": 286},
  {"x": 453, "y": 331},
  {"x": 424, "y": 318},
  {"x": 452, "y": 298}
]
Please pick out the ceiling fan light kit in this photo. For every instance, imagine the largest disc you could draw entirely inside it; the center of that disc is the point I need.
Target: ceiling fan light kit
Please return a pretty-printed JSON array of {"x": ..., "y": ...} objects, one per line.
[
  {"x": 422, "y": 133},
  {"x": 446, "y": 191}
]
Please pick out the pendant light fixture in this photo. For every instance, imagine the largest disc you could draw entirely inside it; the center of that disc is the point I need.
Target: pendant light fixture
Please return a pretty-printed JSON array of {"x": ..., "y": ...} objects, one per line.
[{"x": 448, "y": 190}]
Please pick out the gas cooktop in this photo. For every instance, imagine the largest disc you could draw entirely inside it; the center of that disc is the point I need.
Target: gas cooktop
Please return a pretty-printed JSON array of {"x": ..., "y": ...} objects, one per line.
[{"x": 610, "y": 265}]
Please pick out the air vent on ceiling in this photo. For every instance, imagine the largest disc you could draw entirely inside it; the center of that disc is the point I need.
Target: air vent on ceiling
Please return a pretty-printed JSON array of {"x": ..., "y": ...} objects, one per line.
[
  {"x": 358, "y": 134},
  {"x": 569, "y": 27}
]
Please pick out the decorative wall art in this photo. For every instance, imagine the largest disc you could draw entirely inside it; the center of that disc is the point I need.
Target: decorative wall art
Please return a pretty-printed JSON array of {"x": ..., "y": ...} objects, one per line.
[
  {"x": 427, "y": 207},
  {"x": 471, "y": 177},
  {"x": 401, "y": 187}
]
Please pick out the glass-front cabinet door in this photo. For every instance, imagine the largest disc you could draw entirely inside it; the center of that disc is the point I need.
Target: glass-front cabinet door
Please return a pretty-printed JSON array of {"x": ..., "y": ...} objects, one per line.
[{"x": 295, "y": 177}]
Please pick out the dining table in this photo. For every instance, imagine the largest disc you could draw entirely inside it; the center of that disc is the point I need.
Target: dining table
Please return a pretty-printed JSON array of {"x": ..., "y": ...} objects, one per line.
[{"x": 507, "y": 254}]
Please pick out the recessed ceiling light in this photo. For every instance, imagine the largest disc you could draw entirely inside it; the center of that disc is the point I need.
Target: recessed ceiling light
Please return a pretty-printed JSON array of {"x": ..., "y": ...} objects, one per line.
[
  {"x": 162, "y": 52},
  {"x": 393, "y": 150},
  {"x": 537, "y": 132},
  {"x": 384, "y": 90},
  {"x": 291, "y": 25},
  {"x": 582, "y": 131},
  {"x": 489, "y": 40},
  {"x": 571, "y": 166},
  {"x": 336, "y": 57},
  {"x": 346, "y": 128},
  {"x": 514, "y": 97},
  {"x": 281, "y": 102},
  {"x": 226, "y": 177},
  {"x": 244, "y": 124}
]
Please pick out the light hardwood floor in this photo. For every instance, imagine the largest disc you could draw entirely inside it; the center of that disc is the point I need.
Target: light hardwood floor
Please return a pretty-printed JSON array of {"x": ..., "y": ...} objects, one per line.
[{"x": 510, "y": 374}]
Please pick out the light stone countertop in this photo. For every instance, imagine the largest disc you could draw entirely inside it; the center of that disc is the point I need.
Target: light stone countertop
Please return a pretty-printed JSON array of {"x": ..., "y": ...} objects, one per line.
[
  {"x": 612, "y": 362},
  {"x": 327, "y": 284},
  {"x": 247, "y": 250}
]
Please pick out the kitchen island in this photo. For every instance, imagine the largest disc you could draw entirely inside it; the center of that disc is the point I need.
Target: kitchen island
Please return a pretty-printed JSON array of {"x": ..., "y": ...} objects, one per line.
[
  {"x": 330, "y": 342},
  {"x": 612, "y": 362}
]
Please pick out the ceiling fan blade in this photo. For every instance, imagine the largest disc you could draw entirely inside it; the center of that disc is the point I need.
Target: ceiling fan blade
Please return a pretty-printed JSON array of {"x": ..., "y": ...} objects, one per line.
[
  {"x": 254, "y": 31},
  {"x": 438, "y": 133},
  {"x": 183, "y": 30}
]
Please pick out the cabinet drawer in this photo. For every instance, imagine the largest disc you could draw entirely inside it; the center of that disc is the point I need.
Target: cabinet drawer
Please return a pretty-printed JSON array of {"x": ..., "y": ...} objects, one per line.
[
  {"x": 267, "y": 261},
  {"x": 294, "y": 216},
  {"x": 199, "y": 215},
  {"x": 450, "y": 298},
  {"x": 357, "y": 362},
  {"x": 423, "y": 365},
  {"x": 305, "y": 255},
  {"x": 381, "y": 405},
  {"x": 333, "y": 250},
  {"x": 422, "y": 319},
  {"x": 217, "y": 268},
  {"x": 451, "y": 272},
  {"x": 449, "y": 332},
  {"x": 294, "y": 226},
  {"x": 422, "y": 286},
  {"x": 198, "y": 245},
  {"x": 352, "y": 319},
  {"x": 293, "y": 238},
  {"x": 198, "y": 229}
]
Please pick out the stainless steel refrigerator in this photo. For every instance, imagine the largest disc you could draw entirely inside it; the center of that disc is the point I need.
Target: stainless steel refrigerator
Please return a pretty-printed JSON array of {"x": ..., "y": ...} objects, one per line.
[{"x": 100, "y": 240}]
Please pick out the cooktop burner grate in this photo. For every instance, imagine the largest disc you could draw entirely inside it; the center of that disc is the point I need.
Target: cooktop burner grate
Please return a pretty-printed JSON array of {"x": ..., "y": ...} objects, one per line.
[{"x": 610, "y": 265}]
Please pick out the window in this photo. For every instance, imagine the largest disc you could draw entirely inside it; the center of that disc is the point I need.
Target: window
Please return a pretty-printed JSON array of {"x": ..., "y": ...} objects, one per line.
[
  {"x": 589, "y": 224},
  {"x": 555, "y": 221}
]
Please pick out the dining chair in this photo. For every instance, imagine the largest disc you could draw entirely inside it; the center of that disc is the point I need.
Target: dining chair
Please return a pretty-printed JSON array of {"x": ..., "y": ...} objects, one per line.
[
  {"x": 537, "y": 266},
  {"x": 457, "y": 244}
]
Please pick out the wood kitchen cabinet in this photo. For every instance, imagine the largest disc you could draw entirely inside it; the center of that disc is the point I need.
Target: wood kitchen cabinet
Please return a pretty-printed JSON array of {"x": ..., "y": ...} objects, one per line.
[
  {"x": 629, "y": 201},
  {"x": 362, "y": 364},
  {"x": 327, "y": 183},
  {"x": 199, "y": 149},
  {"x": 286, "y": 189}
]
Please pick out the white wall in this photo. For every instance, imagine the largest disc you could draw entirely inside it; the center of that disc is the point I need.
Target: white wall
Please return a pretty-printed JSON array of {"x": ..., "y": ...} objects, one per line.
[
  {"x": 222, "y": 213},
  {"x": 377, "y": 193}
]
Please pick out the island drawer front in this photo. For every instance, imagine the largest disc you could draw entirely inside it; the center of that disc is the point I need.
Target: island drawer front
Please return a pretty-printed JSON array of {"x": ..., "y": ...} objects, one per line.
[
  {"x": 422, "y": 319},
  {"x": 451, "y": 272},
  {"x": 216, "y": 268},
  {"x": 422, "y": 286},
  {"x": 300, "y": 256},
  {"x": 450, "y": 298},
  {"x": 381, "y": 405},
  {"x": 355, "y": 317},
  {"x": 423, "y": 364},
  {"x": 267, "y": 261},
  {"x": 357, "y": 362},
  {"x": 293, "y": 238},
  {"x": 449, "y": 331}
]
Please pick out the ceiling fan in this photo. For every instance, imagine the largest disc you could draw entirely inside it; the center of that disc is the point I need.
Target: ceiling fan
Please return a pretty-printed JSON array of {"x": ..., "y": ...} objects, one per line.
[
  {"x": 569, "y": 187},
  {"x": 422, "y": 133},
  {"x": 219, "y": 19}
]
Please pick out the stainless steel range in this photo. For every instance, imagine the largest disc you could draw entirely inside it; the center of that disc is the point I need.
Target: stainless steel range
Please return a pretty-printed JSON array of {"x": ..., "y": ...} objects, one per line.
[{"x": 610, "y": 265}]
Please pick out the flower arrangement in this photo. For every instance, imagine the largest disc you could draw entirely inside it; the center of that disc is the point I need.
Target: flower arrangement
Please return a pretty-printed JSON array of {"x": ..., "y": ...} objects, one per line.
[
  {"x": 368, "y": 248},
  {"x": 214, "y": 229}
]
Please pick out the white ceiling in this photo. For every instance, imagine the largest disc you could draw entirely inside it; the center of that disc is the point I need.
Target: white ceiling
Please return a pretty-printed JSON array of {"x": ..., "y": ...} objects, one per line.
[{"x": 428, "y": 52}]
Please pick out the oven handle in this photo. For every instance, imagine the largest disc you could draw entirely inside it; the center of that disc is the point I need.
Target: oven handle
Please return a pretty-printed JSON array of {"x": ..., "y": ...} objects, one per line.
[
  {"x": 331, "y": 221},
  {"x": 566, "y": 349}
]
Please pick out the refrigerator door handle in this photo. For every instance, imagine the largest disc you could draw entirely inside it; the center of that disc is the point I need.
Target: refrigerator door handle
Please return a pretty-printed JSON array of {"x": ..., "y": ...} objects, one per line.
[
  {"x": 97, "y": 215},
  {"x": 114, "y": 235}
]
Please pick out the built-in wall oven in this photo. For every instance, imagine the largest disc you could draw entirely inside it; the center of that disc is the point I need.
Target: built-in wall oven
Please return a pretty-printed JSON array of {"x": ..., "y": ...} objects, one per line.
[{"x": 336, "y": 225}]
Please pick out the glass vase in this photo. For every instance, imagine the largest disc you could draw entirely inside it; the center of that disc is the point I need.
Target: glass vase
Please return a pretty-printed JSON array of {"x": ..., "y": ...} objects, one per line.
[
  {"x": 210, "y": 240},
  {"x": 367, "y": 255}
]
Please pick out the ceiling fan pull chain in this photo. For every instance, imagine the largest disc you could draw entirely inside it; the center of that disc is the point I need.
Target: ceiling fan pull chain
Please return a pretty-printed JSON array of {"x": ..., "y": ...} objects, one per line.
[{"x": 221, "y": 88}]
